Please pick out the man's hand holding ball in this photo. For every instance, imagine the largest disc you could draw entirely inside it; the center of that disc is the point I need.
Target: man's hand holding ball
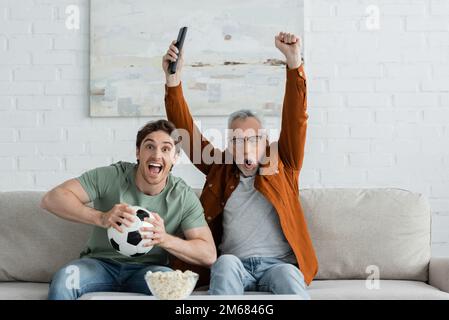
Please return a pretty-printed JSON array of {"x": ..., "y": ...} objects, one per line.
[
  {"x": 118, "y": 215},
  {"x": 156, "y": 234}
]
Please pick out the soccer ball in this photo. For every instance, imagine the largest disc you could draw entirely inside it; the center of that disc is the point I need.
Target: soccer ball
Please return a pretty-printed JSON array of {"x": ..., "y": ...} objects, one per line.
[{"x": 129, "y": 243}]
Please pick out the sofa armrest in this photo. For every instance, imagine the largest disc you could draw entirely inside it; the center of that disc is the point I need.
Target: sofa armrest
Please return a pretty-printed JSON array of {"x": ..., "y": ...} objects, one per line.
[{"x": 439, "y": 273}]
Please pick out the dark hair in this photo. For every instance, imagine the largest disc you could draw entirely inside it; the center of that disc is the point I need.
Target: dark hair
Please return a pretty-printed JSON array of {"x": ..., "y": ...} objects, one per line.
[{"x": 159, "y": 125}]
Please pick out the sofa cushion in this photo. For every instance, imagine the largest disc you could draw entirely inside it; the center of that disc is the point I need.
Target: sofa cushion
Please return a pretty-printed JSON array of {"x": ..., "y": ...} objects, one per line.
[
  {"x": 319, "y": 290},
  {"x": 388, "y": 290},
  {"x": 34, "y": 244},
  {"x": 23, "y": 291},
  {"x": 353, "y": 229},
  {"x": 196, "y": 295}
]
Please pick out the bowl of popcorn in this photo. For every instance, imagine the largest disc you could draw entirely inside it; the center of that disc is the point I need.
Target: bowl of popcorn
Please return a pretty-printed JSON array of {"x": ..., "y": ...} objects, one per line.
[{"x": 171, "y": 285}]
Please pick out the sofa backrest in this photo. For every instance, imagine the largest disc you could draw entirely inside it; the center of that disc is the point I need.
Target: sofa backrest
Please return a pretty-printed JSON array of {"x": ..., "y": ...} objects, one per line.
[
  {"x": 34, "y": 244},
  {"x": 351, "y": 229},
  {"x": 357, "y": 232}
]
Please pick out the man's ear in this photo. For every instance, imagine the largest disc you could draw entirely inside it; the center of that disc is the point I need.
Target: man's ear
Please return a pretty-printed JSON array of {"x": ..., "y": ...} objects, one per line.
[
  {"x": 137, "y": 154},
  {"x": 176, "y": 157},
  {"x": 175, "y": 160}
]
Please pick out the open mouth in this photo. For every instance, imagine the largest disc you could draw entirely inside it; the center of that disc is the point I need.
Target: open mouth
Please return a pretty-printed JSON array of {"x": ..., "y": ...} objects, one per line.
[
  {"x": 155, "y": 168},
  {"x": 249, "y": 164}
]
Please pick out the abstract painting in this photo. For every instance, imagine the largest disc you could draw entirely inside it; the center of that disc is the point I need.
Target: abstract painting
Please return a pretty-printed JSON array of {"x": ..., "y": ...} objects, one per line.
[{"x": 231, "y": 62}]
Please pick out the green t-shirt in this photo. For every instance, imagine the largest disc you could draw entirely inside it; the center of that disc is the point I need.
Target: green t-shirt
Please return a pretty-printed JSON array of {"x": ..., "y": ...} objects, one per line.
[{"x": 177, "y": 204}]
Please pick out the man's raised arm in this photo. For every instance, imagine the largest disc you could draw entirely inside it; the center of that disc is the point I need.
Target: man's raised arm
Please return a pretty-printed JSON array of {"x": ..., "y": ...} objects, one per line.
[
  {"x": 294, "y": 114},
  {"x": 178, "y": 113}
]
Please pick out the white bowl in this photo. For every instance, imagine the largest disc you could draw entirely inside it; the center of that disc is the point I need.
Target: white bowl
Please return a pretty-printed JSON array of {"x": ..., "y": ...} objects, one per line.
[{"x": 171, "y": 285}]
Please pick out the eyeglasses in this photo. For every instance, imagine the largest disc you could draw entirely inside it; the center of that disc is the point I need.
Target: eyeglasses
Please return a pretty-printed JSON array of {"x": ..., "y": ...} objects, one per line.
[{"x": 240, "y": 141}]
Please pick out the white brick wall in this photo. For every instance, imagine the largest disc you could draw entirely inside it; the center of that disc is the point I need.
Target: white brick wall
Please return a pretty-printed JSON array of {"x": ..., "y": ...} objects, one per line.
[
  {"x": 378, "y": 100},
  {"x": 385, "y": 99}
]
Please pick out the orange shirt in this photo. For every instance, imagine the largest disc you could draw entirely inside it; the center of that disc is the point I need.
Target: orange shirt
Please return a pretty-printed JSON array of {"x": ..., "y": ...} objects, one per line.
[{"x": 277, "y": 180}]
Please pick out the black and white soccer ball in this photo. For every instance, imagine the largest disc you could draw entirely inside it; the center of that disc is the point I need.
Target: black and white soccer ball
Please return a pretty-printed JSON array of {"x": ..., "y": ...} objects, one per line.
[{"x": 130, "y": 242}]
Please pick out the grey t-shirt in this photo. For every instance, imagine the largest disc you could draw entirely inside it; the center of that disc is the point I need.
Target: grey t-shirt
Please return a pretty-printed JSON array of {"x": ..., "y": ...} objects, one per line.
[{"x": 251, "y": 226}]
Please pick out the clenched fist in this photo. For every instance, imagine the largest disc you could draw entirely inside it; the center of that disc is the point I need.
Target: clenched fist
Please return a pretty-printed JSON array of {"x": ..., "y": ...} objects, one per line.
[
  {"x": 118, "y": 215},
  {"x": 290, "y": 45}
]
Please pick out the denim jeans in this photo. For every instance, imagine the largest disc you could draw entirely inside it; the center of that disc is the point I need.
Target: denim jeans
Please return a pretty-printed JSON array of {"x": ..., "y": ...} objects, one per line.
[
  {"x": 98, "y": 275},
  {"x": 232, "y": 276}
]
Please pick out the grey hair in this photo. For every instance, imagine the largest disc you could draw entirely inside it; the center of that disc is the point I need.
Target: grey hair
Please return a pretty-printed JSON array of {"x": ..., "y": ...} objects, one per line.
[{"x": 242, "y": 115}]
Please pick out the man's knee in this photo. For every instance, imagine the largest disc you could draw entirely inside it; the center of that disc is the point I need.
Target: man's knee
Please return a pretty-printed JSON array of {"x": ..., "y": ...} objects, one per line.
[
  {"x": 227, "y": 265},
  {"x": 226, "y": 262},
  {"x": 66, "y": 282},
  {"x": 288, "y": 279},
  {"x": 227, "y": 275},
  {"x": 287, "y": 273}
]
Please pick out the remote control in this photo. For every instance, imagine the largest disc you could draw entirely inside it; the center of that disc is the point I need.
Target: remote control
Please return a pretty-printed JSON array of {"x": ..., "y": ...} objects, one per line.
[{"x": 179, "y": 43}]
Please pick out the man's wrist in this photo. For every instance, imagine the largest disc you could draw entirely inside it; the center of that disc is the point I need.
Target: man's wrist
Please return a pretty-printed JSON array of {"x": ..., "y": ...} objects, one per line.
[
  {"x": 169, "y": 242},
  {"x": 95, "y": 216},
  {"x": 172, "y": 81},
  {"x": 294, "y": 63},
  {"x": 98, "y": 218}
]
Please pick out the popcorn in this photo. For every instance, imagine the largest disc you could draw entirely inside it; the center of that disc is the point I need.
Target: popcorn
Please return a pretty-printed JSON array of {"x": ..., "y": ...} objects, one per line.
[{"x": 172, "y": 285}]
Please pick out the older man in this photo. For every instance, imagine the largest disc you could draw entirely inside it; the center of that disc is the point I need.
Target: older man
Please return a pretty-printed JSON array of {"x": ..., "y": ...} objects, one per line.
[{"x": 252, "y": 204}]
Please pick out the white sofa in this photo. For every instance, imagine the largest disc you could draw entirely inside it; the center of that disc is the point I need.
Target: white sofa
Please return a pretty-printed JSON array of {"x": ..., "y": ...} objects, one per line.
[{"x": 355, "y": 232}]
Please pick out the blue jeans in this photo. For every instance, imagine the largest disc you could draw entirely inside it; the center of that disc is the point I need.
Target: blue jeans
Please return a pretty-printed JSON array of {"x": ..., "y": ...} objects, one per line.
[
  {"x": 99, "y": 275},
  {"x": 232, "y": 276}
]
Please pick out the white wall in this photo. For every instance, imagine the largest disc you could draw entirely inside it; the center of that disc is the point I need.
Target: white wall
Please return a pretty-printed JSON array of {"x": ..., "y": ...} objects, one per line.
[{"x": 378, "y": 100}]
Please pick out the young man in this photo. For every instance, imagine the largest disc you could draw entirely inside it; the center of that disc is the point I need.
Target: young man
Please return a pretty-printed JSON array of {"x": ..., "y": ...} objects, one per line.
[
  {"x": 252, "y": 204},
  {"x": 148, "y": 184}
]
